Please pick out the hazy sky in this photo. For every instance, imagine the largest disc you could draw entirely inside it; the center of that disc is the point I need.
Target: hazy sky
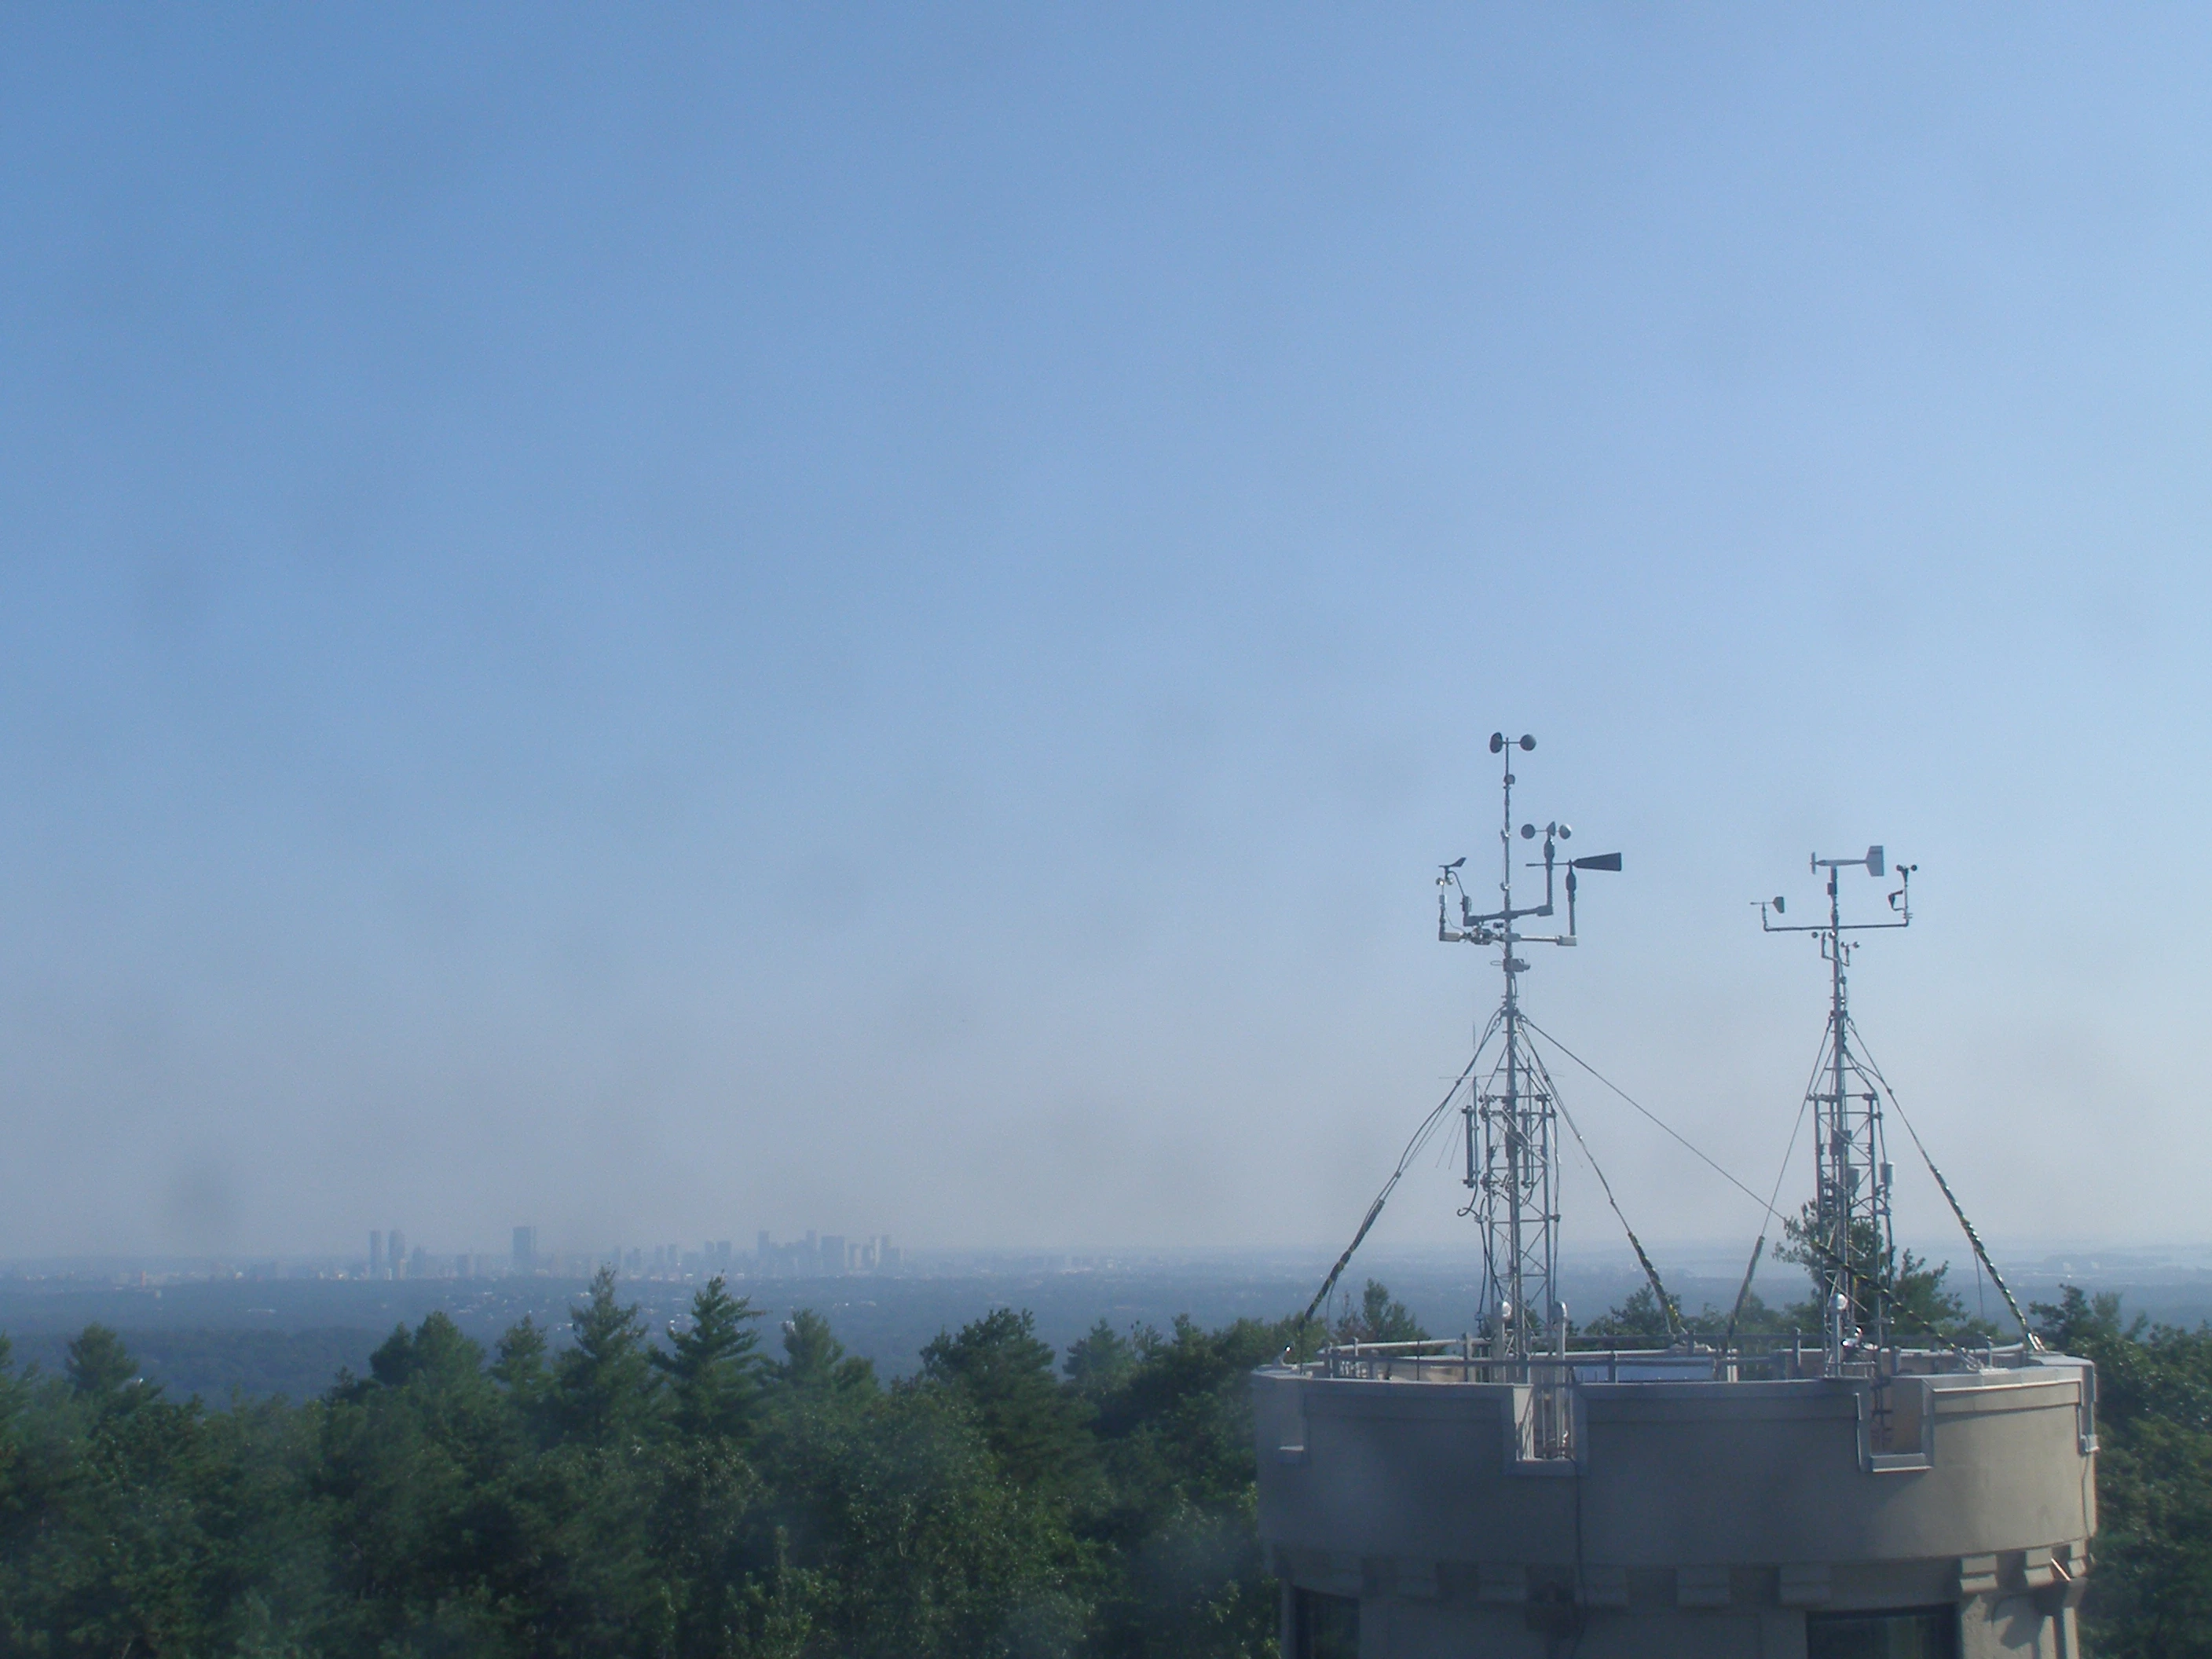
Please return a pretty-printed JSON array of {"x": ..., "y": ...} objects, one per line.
[{"x": 668, "y": 621}]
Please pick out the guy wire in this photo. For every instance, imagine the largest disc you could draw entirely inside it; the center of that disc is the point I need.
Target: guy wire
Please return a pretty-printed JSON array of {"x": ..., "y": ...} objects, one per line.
[
  {"x": 1981, "y": 1253},
  {"x": 1788, "y": 1151},
  {"x": 1667, "y": 1310},
  {"x": 1412, "y": 1148},
  {"x": 1655, "y": 1119},
  {"x": 1877, "y": 1279}
]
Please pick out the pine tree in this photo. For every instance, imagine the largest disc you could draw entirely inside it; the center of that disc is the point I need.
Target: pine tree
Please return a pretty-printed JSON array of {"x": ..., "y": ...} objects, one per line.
[
  {"x": 605, "y": 1386},
  {"x": 815, "y": 1363},
  {"x": 1100, "y": 1361},
  {"x": 999, "y": 1370},
  {"x": 99, "y": 1365},
  {"x": 712, "y": 1367}
]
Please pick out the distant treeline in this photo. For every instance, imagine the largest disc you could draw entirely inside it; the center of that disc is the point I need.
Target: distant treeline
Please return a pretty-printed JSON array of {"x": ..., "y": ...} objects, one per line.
[
  {"x": 217, "y": 1364},
  {"x": 708, "y": 1494}
]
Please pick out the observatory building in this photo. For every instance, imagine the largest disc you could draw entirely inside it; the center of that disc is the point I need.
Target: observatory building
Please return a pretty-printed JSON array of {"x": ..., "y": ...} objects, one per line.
[{"x": 1869, "y": 1491}]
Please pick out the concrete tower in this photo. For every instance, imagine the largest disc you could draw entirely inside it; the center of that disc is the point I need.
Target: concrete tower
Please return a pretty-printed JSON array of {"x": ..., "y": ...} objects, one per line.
[{"x": 1521, "y": 1493}]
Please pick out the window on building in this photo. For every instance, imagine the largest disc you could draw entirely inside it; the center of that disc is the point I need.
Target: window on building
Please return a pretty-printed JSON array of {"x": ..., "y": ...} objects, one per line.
[
  {"x": 1327, "y": 1626},
  {"x": 1911, "y": 1634}
]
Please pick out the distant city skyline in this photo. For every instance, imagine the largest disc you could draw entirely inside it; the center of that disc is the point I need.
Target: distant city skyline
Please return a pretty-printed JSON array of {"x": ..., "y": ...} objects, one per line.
[{"x": 825, "y": 1255}]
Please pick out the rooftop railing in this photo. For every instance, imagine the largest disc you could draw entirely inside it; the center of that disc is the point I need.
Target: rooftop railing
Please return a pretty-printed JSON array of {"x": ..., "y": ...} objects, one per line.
[{"x": 1470, "y": 1359}]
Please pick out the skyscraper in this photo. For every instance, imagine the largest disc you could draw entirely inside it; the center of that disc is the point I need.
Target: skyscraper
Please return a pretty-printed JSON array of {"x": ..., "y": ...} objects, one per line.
[
  {"x": 395, "y": 1255},
  {"x": 376, "y": 1253},
  {"x": 526, "y": 1249}
]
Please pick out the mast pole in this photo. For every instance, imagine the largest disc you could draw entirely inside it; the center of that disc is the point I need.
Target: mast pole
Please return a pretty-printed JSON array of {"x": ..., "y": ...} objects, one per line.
[
  {"x": 1840, "y": 1296},
  {"x": 1515, "y": 1131},
  {"x": 1850, "y": 1179},
  {"x": 1511, "y": 1152}
]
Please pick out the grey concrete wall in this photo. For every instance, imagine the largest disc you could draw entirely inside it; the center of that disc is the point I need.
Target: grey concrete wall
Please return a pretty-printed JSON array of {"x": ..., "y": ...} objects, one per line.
[
  {"x": 2015, "y": 1628},
  {"x": 1699, "y": 1518}
]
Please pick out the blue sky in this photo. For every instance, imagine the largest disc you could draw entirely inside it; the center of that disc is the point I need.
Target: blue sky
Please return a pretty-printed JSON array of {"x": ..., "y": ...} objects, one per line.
[{"x": 668, "y": 622}]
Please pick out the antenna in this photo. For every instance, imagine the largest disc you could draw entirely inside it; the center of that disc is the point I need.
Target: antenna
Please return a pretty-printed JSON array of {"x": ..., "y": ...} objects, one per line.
[
  {"x": 1511, "y": 1115},
  {"x": 1849, "y": 1237}
]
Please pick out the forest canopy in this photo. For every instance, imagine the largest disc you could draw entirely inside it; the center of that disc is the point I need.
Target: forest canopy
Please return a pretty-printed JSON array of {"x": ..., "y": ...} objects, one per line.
[
  {"x": 717, "y": 1491},
  {"x": 720, "y": 1490}
]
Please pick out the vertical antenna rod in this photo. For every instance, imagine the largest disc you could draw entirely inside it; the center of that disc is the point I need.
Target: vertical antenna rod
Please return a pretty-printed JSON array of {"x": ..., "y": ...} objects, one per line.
[
  {"x": 1511, "y": 1115},
  {"x": 1849, "y": 1231}
]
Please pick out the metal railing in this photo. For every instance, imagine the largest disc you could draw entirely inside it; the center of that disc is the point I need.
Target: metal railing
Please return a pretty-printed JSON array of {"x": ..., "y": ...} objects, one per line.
[{"x": 1470, "y": 1359}]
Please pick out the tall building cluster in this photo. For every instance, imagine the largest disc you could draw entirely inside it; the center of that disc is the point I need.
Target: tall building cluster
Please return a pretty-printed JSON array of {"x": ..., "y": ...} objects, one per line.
[
  {"x": 818, "y": 1256},
  {"x": 388, "y": 1257},
  {"x": 826, "y": 1255}
]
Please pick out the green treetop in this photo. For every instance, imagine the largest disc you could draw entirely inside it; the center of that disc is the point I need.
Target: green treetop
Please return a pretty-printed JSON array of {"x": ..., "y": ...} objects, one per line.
[{"x": 712, "y": 1367}]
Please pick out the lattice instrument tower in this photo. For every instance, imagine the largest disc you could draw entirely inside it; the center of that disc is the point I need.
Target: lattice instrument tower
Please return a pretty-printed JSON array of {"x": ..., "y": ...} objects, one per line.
[{"x": 1511, "y": 1111}]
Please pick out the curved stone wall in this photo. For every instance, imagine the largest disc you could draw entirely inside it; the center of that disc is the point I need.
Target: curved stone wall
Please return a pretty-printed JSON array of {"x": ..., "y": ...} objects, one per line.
[{"x": 1692, "y": 1512}]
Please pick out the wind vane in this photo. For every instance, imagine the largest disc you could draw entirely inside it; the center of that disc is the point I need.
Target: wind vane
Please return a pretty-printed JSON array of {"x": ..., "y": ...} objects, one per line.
[
  {"x": 1511, "y": 1115},
  {"x": 1852, "y": 1236}
]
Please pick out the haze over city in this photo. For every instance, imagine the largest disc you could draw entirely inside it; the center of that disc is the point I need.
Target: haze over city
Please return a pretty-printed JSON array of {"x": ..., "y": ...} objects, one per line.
[{"x": 877, "y": 622}]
